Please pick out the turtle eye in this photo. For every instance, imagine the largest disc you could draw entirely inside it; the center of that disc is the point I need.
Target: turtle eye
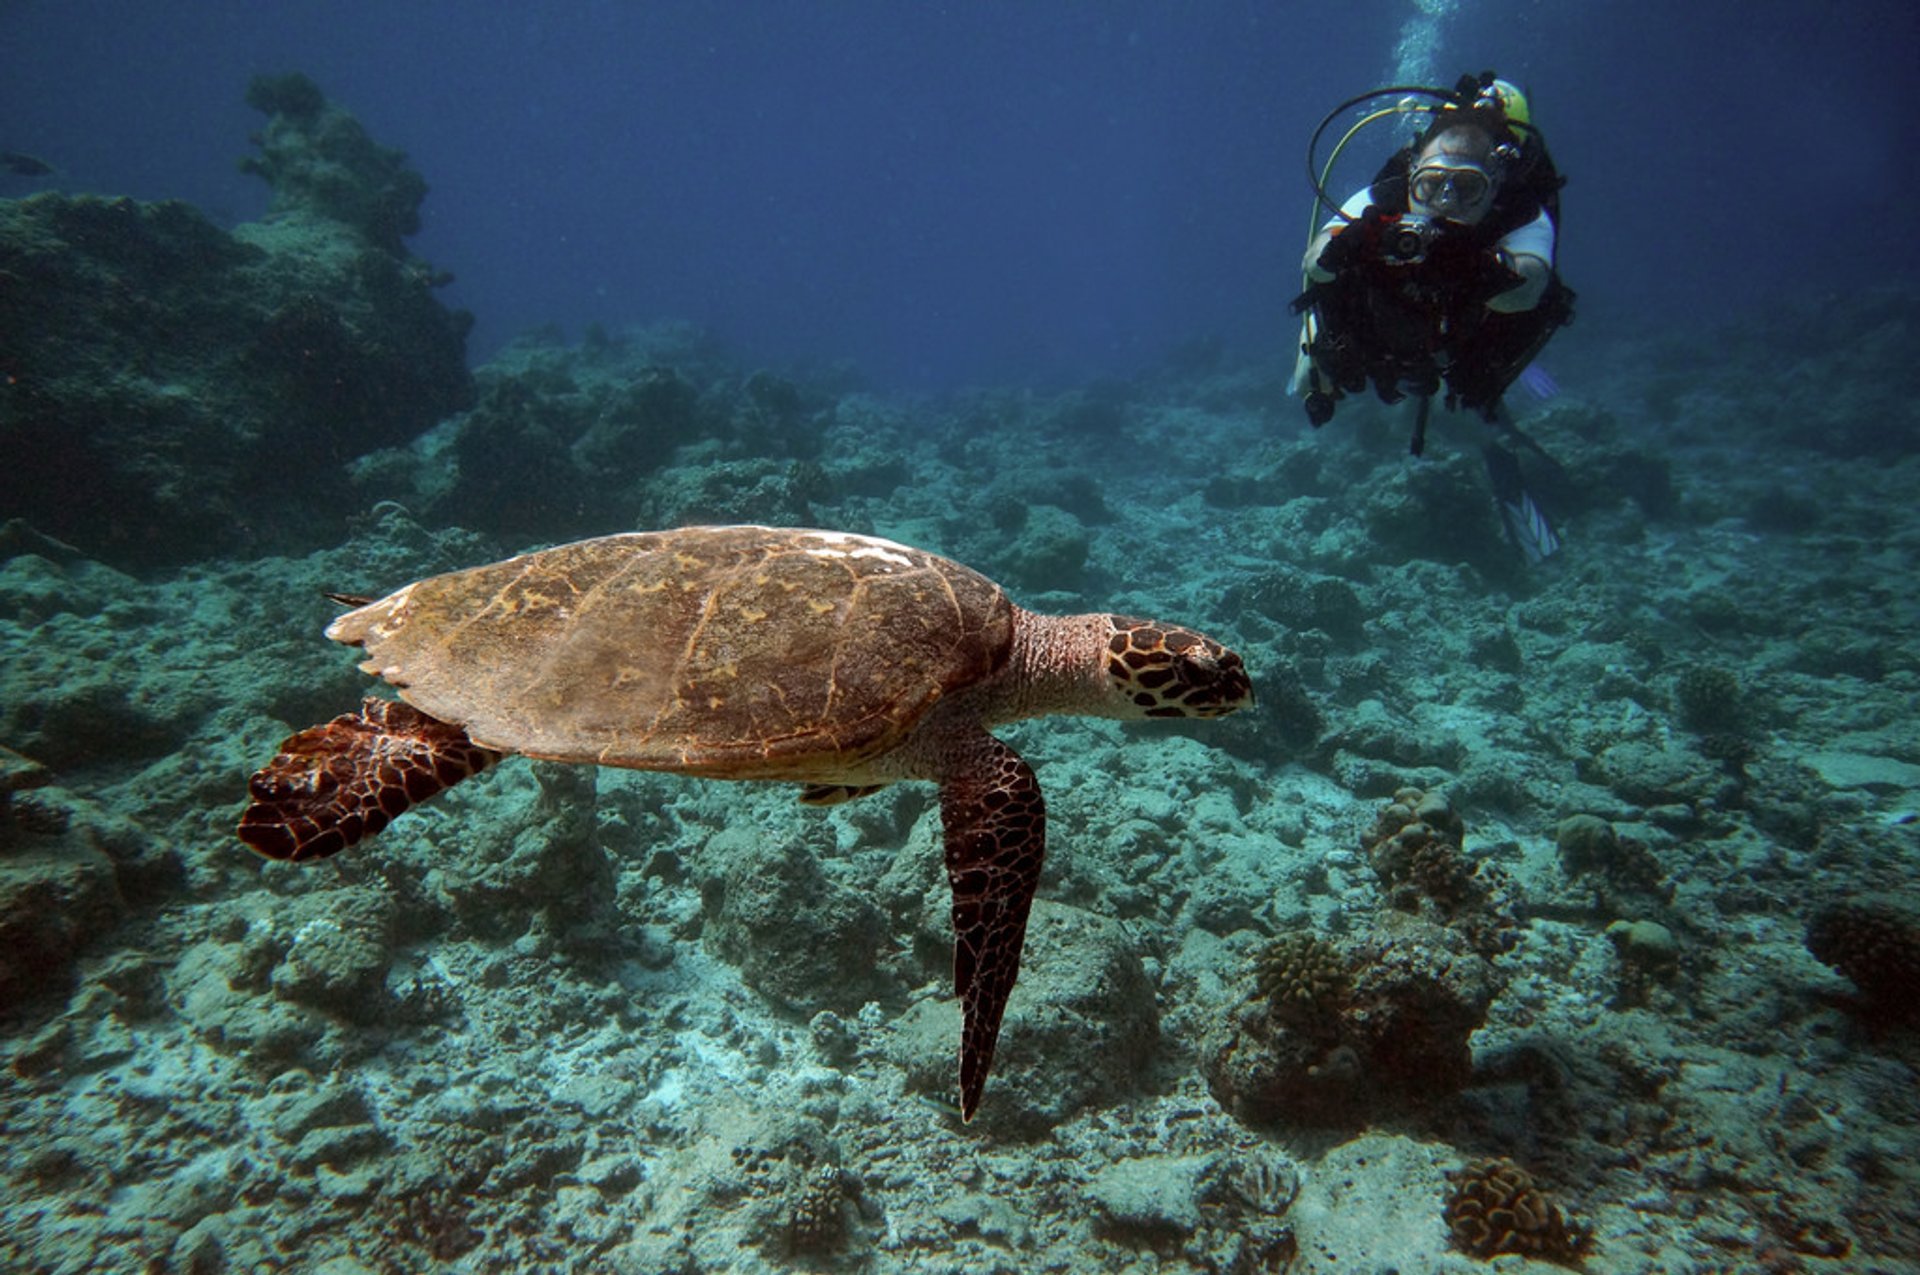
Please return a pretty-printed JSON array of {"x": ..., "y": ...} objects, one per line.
[{"x": 1216, "y": 683}]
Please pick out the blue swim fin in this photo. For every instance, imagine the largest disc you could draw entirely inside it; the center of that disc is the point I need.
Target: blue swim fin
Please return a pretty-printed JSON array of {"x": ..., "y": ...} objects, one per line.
[{"x": 1527, "y": 524}]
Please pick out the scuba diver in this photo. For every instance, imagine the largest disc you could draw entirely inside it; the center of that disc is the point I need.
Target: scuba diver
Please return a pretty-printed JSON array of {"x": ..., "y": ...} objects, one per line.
[{"x": 1441, "y": 271}]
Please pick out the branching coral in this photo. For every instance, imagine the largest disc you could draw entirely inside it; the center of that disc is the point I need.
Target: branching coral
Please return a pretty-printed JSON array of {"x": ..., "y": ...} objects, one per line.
[
  {"x": 1302, "y": 976},
  {"x": 1709, "y": 700},
  {"x": 1495, "y": 1207},
  {"x": 818, "y": 1221}
]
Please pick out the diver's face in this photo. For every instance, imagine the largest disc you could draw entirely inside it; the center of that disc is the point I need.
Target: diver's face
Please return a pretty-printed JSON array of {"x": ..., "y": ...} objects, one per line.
[{"x": 1450, "y": 180}]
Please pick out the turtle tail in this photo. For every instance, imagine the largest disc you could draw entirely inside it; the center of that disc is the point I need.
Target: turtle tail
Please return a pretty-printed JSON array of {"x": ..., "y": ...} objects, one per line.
[{"x": 332, "y": 786}]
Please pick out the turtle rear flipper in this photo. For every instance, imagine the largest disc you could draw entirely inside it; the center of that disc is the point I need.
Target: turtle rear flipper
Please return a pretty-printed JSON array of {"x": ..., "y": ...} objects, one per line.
[{"x": 334, "y": 785}]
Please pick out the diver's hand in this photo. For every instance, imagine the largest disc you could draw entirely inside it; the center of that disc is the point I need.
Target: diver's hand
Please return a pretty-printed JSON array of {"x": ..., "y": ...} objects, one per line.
[
  {"x": 1323, "y": 257},
  {"x": 1525, "y": 279},
  {"x": 1481, "y": 276}
]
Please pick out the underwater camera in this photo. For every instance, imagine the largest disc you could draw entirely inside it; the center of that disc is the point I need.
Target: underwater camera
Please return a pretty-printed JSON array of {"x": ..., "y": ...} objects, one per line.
[{"x": 1406, "y": 241}]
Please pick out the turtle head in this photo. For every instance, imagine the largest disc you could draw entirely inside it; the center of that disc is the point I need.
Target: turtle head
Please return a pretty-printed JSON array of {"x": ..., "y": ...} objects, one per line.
[{"x": 1162, "y": 670}]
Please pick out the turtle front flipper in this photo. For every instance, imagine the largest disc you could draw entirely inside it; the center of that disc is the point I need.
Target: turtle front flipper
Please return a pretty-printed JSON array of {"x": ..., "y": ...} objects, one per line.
[
  {"x": 996, "y": 826},
  {"x": 334, "y": 785}
]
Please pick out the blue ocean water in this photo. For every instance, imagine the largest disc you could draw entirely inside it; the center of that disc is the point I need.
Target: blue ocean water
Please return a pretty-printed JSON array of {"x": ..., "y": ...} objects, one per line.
[
  {"x": 983, "y": 193},
  {"x": 1554, "y": 907}
]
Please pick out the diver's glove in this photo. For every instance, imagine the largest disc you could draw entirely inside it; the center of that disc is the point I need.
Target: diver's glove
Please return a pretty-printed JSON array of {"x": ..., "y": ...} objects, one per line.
[
  {"x": 1493, "y": 274},
  {"x": 1346, "y": 245}
]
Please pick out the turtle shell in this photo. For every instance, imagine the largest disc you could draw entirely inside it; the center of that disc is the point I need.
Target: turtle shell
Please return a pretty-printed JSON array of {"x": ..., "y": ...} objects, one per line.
[{"x": 743, "y": 652}]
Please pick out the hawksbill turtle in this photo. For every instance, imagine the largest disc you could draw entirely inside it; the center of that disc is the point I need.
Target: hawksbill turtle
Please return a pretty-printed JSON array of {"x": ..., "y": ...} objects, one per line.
[{"x": 837, "y": 661}]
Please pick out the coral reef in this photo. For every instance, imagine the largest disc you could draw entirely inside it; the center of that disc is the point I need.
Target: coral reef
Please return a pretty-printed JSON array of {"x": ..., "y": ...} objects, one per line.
[
  {"x": 1219, "y": 1210},
  {"x": 551, "y": 880},
  {"x": 55, "y": 899},
  {"x": 758, "y": 1180},
  {"x": 1494, "y": 1207},
  {"x": 1586, "y": 843},
  {"x": 1414, "y": 821},
  {"x": 572, "y": 1023},
  {"x": 337, "y": 960},
  {"x": 649, "y": 428},
  {"x": 1877, "y": 946},
  {"x": 18, "y": 774},
  {"x": 1661, "y": 773},
  {"x": 1288, "y": 711},
  {"x": 1647, "y": 945},
  {"x": 1439, "y": 511},
  {"x": 818, "y": 1221},
  {"x": 1050, "y": 552},
  {"x": 1298, "y": 601}
]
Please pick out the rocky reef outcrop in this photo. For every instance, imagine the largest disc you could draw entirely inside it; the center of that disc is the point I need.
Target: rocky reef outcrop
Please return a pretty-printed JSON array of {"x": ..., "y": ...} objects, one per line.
[
  {"x": 1388, "y": 1036},
  {"x": 170, "y": 389}
]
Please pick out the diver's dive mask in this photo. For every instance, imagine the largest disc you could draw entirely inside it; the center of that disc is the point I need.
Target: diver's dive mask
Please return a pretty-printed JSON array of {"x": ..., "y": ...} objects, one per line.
[{"x": 1449, "y": 188}]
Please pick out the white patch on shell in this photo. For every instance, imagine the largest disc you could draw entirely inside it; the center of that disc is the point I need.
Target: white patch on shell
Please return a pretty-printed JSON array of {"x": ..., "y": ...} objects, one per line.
[
  {"x": 394, "y": 605},
  {"x": 863, "y": 547}
]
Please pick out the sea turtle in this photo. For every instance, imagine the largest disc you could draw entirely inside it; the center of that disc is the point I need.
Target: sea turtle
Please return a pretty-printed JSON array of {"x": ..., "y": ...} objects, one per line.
[{"x": 841, "y": 662}]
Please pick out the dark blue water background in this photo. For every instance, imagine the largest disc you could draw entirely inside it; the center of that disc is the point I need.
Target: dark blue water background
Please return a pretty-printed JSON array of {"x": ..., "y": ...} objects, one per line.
[{"x": 990, "y": 192}]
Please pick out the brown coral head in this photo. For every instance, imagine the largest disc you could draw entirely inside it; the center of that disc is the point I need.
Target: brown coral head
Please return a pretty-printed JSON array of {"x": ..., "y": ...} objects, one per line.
[
  {"x": 1496, "y": 1207},
  {"x": 1413, "y": 819},
  {"x": 1587, "y": 843},
  {"x": 1876, "y": 945},
  {"x": 1444, "y": 875}
]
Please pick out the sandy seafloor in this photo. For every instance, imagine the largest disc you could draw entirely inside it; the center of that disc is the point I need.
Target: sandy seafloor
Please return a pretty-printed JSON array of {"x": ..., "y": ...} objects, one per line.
[{"x": 574, "y": 1021}]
